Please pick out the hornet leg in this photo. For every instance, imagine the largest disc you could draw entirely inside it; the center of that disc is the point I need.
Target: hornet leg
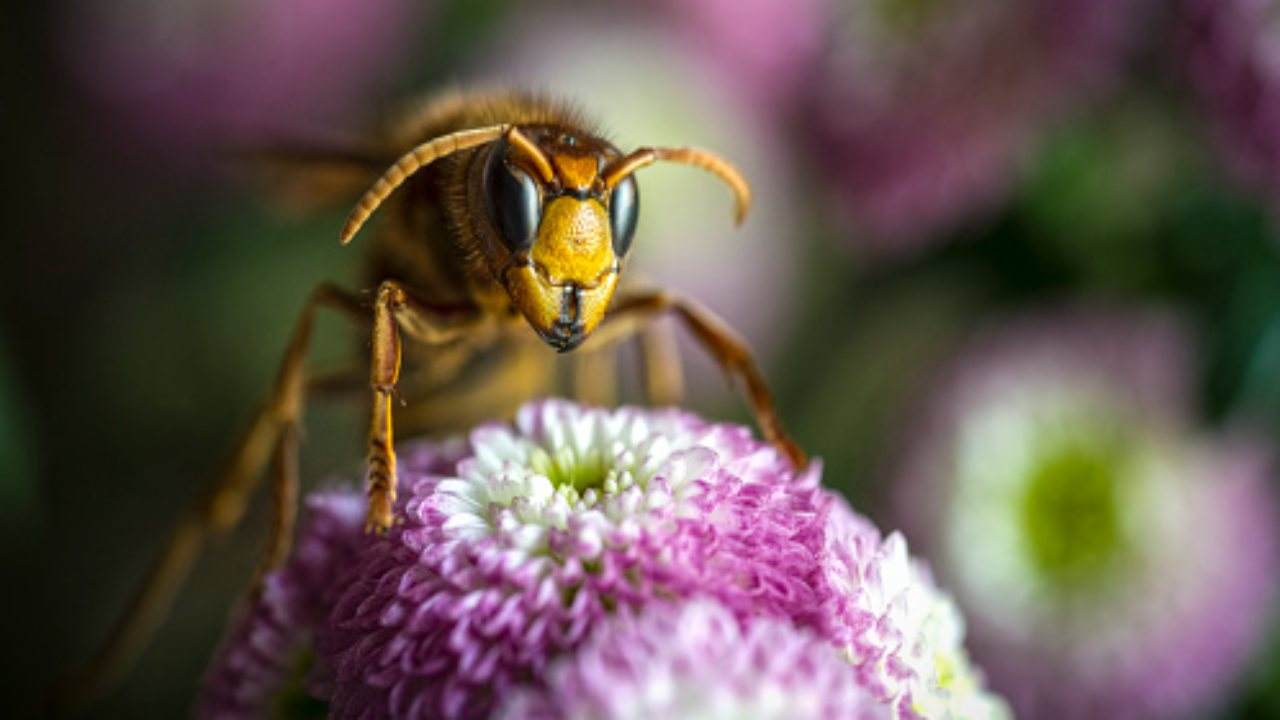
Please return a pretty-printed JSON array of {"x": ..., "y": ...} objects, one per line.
[
  {"x": 633, "y": 313},
  {"x": 396, "y": 311}
]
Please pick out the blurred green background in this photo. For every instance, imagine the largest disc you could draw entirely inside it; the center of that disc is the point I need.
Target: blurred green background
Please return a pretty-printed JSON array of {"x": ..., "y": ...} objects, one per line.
[{"x": 147, "y": 291}]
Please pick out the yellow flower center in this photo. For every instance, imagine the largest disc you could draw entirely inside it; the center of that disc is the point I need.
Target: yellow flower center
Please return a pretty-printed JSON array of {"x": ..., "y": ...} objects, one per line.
[
  {"x": 1070, "y": 511},
  {"x": 566, "y": 470}
]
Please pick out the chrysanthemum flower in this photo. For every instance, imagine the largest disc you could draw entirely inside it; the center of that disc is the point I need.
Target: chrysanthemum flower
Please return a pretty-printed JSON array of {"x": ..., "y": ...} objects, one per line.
[
  {"x": 547, "y": 526},
  {"x": 531, "y": 535},
  {"x": 923, "y": 110},
  {"x": 1111, "y": 562},
  {"x": 696, "y": 661},
  {"x": 1232, "y": 48}
]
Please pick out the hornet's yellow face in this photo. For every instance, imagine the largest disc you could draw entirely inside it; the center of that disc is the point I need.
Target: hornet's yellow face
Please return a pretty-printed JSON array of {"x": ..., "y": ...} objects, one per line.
[
  {"x": 565, "y": 288},
  {"x": 565, "y": 233}
]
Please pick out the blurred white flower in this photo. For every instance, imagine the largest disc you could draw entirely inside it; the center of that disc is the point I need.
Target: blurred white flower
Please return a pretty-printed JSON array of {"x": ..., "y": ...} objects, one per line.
[{"x": 1111, "y": 562}]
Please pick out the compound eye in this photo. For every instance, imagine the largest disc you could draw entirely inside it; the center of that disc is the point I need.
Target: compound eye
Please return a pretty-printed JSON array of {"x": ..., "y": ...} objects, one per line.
[
  {"x": 624, "y": 210},
  {"x": 515, "y": 203}
]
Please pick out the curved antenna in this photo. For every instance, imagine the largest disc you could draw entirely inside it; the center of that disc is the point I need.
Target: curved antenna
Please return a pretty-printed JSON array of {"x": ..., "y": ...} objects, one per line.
[
  {"x": 411, "y": 162},
  {"x": 533, "y": 153},
  {"x": 709, "y": 161}
]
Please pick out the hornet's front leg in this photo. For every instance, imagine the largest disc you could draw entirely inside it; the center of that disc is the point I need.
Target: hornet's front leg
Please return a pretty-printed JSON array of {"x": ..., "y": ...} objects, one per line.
[
  {"x": 396, "y": 311},
  {"x": 636, "y": 312}
]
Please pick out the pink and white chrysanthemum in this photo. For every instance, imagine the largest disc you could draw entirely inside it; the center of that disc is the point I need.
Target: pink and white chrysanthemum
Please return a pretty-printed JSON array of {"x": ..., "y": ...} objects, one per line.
[
  {"x": 548, "y": 526},
  {"x": 514, "y": 546}
]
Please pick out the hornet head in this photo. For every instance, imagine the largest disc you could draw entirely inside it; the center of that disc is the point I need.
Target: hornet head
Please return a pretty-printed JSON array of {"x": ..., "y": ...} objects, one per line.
[{"x": 559, "y": 211}]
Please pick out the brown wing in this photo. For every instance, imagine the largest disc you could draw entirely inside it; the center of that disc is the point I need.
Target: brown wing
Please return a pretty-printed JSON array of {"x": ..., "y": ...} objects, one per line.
[{"x": 310, "y": 176}]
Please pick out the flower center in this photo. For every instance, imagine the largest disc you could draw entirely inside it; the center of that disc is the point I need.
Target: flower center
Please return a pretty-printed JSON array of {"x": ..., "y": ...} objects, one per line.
[
  {"x": 566, "y": 469},
  {"x": 1070, "y": 514}
]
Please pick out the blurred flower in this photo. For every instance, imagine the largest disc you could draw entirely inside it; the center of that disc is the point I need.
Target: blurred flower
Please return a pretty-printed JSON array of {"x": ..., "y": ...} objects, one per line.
[
  {"x": 695, "y": 660},
  {"x": 762, "y": 48},
  {"x": 646, "y": 88},
  {"x": 208, "y": 71},
  {"x": 922, "y": 111},
  {"x": 529, "y": 536},
  {"x": 1233, "y": 56},
  {"x": 1110, "y": 562}
]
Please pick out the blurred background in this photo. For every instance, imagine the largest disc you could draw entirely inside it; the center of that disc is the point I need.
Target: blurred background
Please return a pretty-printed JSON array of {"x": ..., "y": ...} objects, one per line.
[{"x": 1014, "y": 273}]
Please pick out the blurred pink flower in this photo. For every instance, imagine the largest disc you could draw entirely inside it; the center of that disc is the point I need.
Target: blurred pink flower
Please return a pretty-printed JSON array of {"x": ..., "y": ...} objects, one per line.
[
  {"x": 206, "y": 71},
  {"x": 922, "y": 112},
  {"x": 1111, "y": 561},
  {"x": 1233, "y": 56},
  {"x": 762, "y": 48}
]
